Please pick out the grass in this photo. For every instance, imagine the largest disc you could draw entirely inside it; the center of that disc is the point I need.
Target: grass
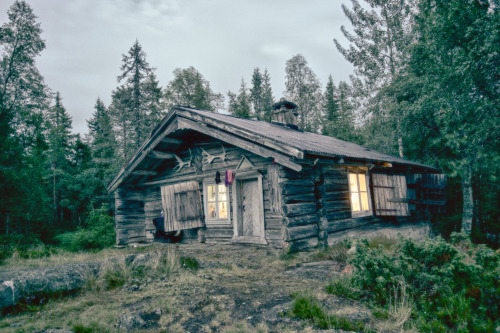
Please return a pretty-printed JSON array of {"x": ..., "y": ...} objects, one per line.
[
  {"x": 308, "y": 308},
  {"x": 59, "y": 256}
]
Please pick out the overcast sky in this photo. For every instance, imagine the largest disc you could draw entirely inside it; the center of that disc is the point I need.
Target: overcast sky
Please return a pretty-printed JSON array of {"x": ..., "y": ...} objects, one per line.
[{"x": 224, "y": 39}]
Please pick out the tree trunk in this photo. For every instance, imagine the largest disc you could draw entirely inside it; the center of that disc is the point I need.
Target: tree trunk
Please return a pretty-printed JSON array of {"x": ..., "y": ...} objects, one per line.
[{"x": 468, "y": 209}]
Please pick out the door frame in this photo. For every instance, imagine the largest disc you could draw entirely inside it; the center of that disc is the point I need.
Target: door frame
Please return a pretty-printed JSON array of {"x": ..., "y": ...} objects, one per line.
[{"x": 236, "y": 236}]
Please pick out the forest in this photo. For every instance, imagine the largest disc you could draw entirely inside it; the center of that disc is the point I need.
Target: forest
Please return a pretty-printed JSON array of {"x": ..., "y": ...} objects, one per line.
[{"x": 426, "y": 87}]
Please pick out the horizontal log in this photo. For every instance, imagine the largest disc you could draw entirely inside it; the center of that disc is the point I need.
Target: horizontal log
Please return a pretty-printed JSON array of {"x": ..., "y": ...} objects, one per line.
[
  {"x": 273, "y": 235},
  {"x": 335, "y": 187},
  {"x": 332, "y": 206},
  {"x": 302, "y": 244},
  {"x": 296, "y": 198},
  {"x": 274, "y": 223},
  {"x": 138, "y": 225},
  {"x": 275, "y": 243},
  {"x": 301, "y": 232},
  {"x": 131, "y": 240},
  {"x": 338, "y": 215},
  {"x": 129, "y": 233},
  {"x": 129, "y": 211},
  {"x": 127, "y": 194},
  {"x": 330, "y": 181},
  {"x": 339, "y": 225},
  {"x": 299, "y": 182},
  {"x": 211, "y": 232},
  {"x": 300, "y": 220},
  {"x": 125, "y": 218},
  {"x": 333, "y": 196},
  {"x": 293, "y": 190},
  {"x": 286, "y": 173},
  {"x": 129, "y": 204},
  {"x": 172, "y": 141},
  {"x": 153, "y": 205},
  {"x": 299, "y": 209}
]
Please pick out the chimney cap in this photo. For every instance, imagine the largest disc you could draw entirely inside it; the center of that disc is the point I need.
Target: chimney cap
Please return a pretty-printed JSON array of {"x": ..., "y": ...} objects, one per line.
[{"x": 287, "y": 104}]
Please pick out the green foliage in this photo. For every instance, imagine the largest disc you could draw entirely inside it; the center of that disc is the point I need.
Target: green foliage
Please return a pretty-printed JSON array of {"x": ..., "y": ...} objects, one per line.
[
  {"x": 343, "y": 286},
  {"x": 189, "y": 263},
  {"x": 454, "y": 286},
  {"x": 308, "y": 308},
  {"x": 98, "y": 234},
  {"x": 23, "y": 246}
]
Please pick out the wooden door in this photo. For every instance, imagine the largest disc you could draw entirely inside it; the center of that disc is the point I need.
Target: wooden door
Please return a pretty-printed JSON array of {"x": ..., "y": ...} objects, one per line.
[{"x": 250, "y": 208}]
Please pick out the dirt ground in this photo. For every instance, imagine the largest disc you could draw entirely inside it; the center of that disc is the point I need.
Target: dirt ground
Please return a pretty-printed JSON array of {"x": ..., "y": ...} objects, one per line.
[{"x": 236, "y": 288}]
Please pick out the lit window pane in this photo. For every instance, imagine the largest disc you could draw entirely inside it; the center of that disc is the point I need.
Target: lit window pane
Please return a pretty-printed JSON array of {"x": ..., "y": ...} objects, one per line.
[
  {"x": 222, "y": 210},
  {"x": 222, "y": 195},
  {"x": 353, "y": 182},
  {"x": 364, "y": 201},
  {"x": 355, "y": 202},
  {"x": 222, "y": 188},
  {"x": 212, "y": 213},
  {"x": 362, "y": 182},
  {"x": 211, "y": 193}
]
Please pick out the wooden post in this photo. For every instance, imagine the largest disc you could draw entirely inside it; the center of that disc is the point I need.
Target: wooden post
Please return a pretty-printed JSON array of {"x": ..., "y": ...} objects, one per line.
[{"x": 320, "y": 198}]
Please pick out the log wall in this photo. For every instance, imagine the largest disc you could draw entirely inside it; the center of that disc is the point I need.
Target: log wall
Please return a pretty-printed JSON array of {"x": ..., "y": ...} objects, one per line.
[{"x": 129, "y": 215}]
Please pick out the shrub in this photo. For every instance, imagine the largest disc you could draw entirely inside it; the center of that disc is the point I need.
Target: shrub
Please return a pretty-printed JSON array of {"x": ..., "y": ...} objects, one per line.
[
  {"x": 308, "y": 308},
  {"x": 98, "y": 234},
  {"x": 454, "y": 286},
  {"x": 23, "y": 246}
]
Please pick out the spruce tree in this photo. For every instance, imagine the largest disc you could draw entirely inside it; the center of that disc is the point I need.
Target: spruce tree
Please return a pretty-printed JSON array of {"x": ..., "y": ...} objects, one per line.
[
  {"x": 135, "y": 70},
  {"x": 60, "y": 145},
  {"x": 267, "y": 97},
  {"x": 257, "y": 94}
]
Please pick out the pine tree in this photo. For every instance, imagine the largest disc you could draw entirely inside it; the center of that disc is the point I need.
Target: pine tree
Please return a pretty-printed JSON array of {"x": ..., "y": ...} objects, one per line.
[
  {"x": 60, "y": 145},
  {"x": 303, "y": 88},
  {"x": 135, "y": 70},
  {"x": 267, "y": 97},
  {"x": 154, "y": 103},
  {"x": 339, "y": 117},
  {"x": 239, "y": 105},
  {"x": 378, "y": 50},
  {"x": 120, "y": 110},
  {"x": 102, "y": 141},
  {"x": 452, "y": 91},
  {"x": 257, "y": 94}
]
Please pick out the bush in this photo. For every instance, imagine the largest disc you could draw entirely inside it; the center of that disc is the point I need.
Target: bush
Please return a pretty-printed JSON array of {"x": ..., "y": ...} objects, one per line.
[
  {"x": 454, "y": 286},
  {"x": 308, "y": 308},
  {"x": 98, "y": 234},
  {"x": 26, "y": 246}
]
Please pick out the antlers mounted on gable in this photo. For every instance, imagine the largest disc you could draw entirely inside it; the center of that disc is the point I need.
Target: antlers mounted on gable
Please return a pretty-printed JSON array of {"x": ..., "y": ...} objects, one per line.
[
  {"x": 208, "y": 158},
  {"x": 182, "y": 164}
]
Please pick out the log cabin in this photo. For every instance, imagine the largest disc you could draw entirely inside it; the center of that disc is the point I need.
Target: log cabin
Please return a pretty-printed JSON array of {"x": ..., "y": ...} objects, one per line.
[{"x": 220, "y": 178}]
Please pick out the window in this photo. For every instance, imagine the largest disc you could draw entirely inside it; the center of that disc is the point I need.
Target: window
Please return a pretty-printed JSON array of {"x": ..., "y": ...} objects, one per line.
[
  {"x": 360, "y": 195},
  {"x": 216, "y": 203}
]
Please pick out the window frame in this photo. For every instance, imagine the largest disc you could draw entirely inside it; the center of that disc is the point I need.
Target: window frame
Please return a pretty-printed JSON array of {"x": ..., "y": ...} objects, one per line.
[
  {"x": 208, "y": 220},
  {"x": 360, "y": 213}
]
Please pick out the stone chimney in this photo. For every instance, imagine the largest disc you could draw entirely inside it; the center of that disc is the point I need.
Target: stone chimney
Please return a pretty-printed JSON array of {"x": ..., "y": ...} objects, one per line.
[{"x": 285, "y": 113}]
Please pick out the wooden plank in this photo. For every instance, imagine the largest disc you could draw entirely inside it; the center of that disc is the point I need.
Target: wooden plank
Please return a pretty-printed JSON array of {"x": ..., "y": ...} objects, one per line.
[
  {"x": 161, "y": 155},
  {"x": 280, "y": 146},
  {"x": 231, "y": 139},
  {"x": 219, "y": 232},
  {"x": 274, "y": 188}
]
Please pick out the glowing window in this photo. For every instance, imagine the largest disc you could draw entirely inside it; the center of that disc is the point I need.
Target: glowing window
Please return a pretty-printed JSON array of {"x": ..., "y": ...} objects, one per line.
[
  {"x": 217, "y": 203},
  {"x": 360, "y": 195}
]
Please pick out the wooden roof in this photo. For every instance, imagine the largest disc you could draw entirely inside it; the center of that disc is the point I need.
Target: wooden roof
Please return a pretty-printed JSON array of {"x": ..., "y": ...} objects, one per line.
[{"x": 286, "y": 145}]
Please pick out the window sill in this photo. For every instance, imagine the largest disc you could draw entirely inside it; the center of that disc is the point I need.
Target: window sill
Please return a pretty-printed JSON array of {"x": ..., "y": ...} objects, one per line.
[{"x": 362, "y": 214}]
